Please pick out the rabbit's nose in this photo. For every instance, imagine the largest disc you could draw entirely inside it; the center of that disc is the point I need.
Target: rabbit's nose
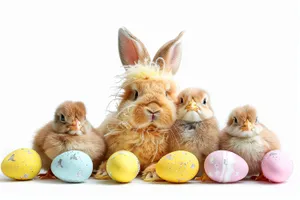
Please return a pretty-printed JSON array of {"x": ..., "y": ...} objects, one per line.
[
  {"x": 153, "y": 112},
  {"x": 152, "y": 108}
]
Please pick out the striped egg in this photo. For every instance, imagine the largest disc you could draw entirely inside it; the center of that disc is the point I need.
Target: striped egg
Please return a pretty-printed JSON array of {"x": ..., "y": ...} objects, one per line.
[{"x": 225, "y": 167}]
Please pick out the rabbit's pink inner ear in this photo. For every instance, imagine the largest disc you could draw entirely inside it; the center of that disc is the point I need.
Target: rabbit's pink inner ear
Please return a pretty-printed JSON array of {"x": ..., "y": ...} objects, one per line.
[
  {"x": 131, "y": 50},
  {"x": 174, "y": 58},
  {"x": 128, "y": 51},
  {"x": 169, "y": 55}
]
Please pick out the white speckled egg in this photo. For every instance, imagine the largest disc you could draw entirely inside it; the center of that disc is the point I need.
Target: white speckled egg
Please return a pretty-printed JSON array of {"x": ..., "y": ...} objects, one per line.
[
  {"x": 177, "y": 167},
  {"x": 277, "y": 166},
  {"x": 22, "y": 164},
  {"x": 72, "y": 166},
  {"x": 225, "y": 167}
]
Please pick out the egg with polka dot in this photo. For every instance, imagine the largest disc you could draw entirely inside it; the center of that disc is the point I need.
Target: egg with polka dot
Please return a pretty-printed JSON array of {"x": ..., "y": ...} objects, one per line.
[
  {"x": 22, "y": 164},
  {"x": 177, "y": 167},
  {"x": 72, "y": 166}
]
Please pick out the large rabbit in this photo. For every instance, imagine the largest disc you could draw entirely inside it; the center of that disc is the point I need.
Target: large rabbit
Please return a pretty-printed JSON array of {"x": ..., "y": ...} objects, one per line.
[{"x": 147, "y": 110}]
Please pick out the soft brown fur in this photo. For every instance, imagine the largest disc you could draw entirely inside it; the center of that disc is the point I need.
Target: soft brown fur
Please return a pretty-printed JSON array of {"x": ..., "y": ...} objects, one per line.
[
  {"x": 131, "y": 127},
  {"x": 252, "y": 149},
  {"x": 200, "y": 138},
  {"x": 55, "y": 138}
]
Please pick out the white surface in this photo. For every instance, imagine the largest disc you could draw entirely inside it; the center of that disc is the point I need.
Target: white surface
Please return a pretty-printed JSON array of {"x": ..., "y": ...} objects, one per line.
[
  {"x": 143, "y": 190},
  {"x": 240, "y": 51}
]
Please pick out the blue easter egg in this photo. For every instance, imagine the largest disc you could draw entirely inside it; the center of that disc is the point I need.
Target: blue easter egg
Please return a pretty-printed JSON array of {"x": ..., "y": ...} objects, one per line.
[{"x": 72, "y": 166}]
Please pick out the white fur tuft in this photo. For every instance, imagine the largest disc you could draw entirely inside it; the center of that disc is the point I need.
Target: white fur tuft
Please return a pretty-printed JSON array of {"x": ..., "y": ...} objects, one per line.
[
  {"x": 237, "y": 132},
  {"x": 191, "y": 116}
]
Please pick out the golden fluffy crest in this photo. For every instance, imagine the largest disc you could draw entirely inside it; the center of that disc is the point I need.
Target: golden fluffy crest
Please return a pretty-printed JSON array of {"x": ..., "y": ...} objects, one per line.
[{"x": 141, "y": 71}]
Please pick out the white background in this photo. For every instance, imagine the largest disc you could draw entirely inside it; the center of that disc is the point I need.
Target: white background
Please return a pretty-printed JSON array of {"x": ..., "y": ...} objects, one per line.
[{"x": 241, "y": 52}]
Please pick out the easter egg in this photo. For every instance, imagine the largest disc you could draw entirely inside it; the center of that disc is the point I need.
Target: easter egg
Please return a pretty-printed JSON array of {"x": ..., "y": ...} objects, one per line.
[
  {"x": 225, "y": 167},
  {"x": 277, "y": 166},
  {"x": 72, "y": 166},
  {"x": 22, "y": 164},
  {"x": 123, "y": 166},
  {"x": 177, "y": 167}
]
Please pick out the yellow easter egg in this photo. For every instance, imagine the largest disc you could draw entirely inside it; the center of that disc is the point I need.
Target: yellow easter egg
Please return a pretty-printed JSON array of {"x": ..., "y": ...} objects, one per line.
[
  {"x": 123, "y": 166},
  {"x": 177, "y": 167},
  {"x": 22, "y": 164}
]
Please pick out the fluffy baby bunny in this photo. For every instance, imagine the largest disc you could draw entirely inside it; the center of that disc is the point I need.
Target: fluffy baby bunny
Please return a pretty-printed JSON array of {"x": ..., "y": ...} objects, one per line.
[
  {"x": 247, "y": 137},
  {"x": 147, "y": 109},
  {"x": 196, "y": 129},
  {"x": 69, "y": 130}
]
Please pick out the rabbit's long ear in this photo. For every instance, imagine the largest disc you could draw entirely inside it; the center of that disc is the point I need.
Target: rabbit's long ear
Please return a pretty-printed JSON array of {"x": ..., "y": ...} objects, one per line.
[
  {"x": 169, "y": 55},
  {"x": 131, "y": 49}
]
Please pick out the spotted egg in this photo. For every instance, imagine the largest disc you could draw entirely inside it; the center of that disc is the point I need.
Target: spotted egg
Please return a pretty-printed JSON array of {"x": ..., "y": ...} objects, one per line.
[
  {"x": 177, "y": 167},
  {"x": 225, "y": 167},
  {"x": 277, "y": 166},
  {"x": 21, "y": 164},
  {"x": 72, "y": 166}
]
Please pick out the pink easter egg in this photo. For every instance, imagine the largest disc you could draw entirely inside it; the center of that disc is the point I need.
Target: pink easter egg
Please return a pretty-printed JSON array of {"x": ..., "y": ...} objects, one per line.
[
  {"x": 225, "y": 167},
  {"x": 277, "y": 166}
]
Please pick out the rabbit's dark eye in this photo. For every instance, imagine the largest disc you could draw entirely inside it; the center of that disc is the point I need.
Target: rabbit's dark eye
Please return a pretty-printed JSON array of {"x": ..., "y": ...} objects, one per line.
[
  {"x": 204, "y": 101},
  {"x": 136, "y": 95},
  {"x": 62, "y": 118},
  {"x": 166, "y": 94},
  {"x": 181, "y": 100},
  {"x": 235, "y": 120}
]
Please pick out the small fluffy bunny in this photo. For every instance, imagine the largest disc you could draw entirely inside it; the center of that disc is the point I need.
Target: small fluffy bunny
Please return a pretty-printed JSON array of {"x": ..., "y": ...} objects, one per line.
[
  {"x": 247, "y": 137},
  {"x": 147, "y": 109},
  {"x": 69, "y": 130},
  {"x": 196, "y": 129}
]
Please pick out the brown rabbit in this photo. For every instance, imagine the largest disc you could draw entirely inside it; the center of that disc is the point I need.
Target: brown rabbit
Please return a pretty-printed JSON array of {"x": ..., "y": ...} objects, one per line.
[{"x": 147, "y": 109}]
